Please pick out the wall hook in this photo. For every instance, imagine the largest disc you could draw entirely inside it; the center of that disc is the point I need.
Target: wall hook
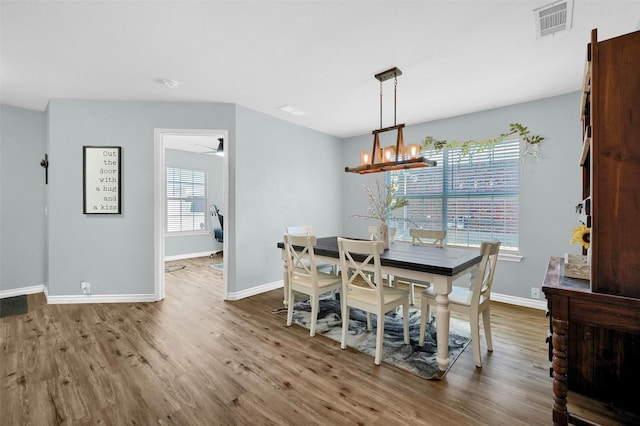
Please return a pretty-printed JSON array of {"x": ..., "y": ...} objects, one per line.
[{"x": 45, "y": 163}]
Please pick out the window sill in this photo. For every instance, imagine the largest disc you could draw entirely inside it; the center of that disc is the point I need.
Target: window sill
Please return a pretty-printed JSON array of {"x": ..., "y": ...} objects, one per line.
[
  {"x": 510, "y": 257},
  {"x": 186, "y": 233},
  {"x": 504, "y": 255}
]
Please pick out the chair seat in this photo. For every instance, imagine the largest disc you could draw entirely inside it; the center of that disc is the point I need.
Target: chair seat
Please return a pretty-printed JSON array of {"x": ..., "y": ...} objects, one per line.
[
  {"x": 324, "y": 280},
  {"x": 390, "y": 294}
]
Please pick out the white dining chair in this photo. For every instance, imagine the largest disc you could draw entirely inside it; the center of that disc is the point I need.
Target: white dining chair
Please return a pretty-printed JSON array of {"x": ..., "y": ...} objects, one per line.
[
  {"x": 304, "y": 276},
  {"x": 422, "y": 237},
  {"x": 308, "y": 230},
  {"x": 427, "y": 237},
  {"x": 360, "y": 291},
  {"x": 471, "y": 300}
]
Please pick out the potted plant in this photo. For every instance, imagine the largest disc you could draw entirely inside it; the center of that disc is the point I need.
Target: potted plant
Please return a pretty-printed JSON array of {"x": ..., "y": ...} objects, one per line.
[{"x": 382, "y": 204}]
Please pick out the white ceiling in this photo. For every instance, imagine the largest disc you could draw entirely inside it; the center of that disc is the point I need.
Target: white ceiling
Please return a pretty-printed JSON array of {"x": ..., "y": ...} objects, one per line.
[
  {"x": 319, "y": 56},
  {"x": 200, "y": 144}
]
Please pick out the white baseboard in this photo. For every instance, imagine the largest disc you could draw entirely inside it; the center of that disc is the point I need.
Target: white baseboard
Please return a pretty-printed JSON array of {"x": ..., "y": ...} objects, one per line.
[
  {"x": 22, "y": 290},
  {"x": 133, "y": 298},
  {"x": 190, "y": 255},
  {"x": 520, "y": 301},
  {"x": 99, "y": 298},
  {"x": 512, "y": 300},
  {"x": 255, "y": 290}
]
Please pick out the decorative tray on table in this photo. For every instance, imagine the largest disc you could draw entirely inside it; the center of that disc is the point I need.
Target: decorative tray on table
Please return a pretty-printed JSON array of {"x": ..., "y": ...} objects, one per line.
[{"x": 575, "y": 266}]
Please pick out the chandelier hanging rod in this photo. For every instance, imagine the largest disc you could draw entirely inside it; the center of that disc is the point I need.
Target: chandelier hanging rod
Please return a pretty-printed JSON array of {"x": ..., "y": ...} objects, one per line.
[{"x": 384, "y": 76}]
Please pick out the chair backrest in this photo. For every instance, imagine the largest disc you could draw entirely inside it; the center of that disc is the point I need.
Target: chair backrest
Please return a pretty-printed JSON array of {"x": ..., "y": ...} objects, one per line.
[
  {"x": 355, "y": 255},
  {"x": 216, "y": 211},
  {"x": 299, "y": 230},
  {"x": 301, "y": 259},
  {"x": 427, "y": 237},
  {"x": 484, "y": 275}
]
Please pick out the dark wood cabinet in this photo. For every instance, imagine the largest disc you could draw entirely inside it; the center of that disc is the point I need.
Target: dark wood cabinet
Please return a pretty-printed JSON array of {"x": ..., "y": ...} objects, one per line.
[
  {"x": 615, "y": 164},
  {"x": 595, "y": 324}
]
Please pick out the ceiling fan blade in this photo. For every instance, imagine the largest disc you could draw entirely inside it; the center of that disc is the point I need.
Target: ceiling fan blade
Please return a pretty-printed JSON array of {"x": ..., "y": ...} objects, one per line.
[{"x": 205, "y": 146}]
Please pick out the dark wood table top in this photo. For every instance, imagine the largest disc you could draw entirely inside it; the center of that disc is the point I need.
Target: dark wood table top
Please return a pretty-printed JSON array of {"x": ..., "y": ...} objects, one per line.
[{"x": 448, "y": 261}]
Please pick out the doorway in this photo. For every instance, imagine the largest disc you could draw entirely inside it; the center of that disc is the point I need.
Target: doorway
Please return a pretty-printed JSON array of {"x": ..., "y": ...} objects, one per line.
[{"x": 168, "y": 138}]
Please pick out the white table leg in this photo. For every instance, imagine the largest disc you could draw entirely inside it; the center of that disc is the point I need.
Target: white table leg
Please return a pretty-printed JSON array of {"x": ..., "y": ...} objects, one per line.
[{"x": 442, "y": 286}]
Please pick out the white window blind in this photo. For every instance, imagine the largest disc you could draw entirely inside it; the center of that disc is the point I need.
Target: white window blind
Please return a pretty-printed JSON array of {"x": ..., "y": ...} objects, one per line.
[
  {"x": 186, "y": 200},
  {"x": 473, "y": 197}
]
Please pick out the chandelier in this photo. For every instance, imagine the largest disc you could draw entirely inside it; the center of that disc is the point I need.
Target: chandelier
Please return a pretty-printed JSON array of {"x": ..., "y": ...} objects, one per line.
[{"x": 390, "y": 158}]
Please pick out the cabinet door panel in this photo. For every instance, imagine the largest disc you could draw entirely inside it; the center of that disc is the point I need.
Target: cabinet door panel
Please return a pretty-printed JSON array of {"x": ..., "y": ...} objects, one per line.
[{"x": 615, "y": 166}]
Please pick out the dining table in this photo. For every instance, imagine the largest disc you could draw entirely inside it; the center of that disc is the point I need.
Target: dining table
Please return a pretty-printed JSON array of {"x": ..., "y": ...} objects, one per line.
[{"x": 439, "y": 266}]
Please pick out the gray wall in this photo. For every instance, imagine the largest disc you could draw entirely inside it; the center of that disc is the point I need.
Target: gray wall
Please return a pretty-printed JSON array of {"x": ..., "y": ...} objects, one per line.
[
  {"x": 176, "y": 245},
  {"x": 283, "y": 175},
  {"x": 549, "y": 188},
  {"x": 22, "y": 198},
  {"x": 113, "y": 252},
  {"x": 279, "y": 174}
]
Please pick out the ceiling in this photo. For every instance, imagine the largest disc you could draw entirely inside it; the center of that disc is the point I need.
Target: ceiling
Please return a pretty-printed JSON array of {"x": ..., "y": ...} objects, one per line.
[
  {"x": 320, "y": 57},
  {"x": 200, "y": 144}
]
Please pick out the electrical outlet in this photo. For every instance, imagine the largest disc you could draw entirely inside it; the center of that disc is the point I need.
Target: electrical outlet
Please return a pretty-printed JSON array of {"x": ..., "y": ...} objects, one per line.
[
  {"x": 85, "y": 287},
  {"x": 535, "y": 293}
]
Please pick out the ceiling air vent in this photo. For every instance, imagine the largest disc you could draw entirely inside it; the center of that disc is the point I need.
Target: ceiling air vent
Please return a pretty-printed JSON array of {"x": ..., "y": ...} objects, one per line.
[{"x": 553, "y": 18}]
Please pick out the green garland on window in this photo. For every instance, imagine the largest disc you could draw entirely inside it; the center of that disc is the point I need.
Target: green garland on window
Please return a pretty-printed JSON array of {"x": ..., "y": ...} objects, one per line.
[{"x": 481, "y": 145}]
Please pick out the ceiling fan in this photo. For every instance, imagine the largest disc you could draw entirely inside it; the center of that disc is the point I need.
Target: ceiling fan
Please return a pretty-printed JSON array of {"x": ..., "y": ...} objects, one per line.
[{"x": 217, "y": 151}]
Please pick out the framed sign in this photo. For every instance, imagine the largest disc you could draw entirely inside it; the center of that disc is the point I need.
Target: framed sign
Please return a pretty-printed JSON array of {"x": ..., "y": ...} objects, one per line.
[{"x": 101, "y": 179}]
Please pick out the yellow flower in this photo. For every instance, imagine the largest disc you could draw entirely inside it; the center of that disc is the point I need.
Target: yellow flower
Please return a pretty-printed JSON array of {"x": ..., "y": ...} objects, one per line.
[{"x": 582, "y": 236}]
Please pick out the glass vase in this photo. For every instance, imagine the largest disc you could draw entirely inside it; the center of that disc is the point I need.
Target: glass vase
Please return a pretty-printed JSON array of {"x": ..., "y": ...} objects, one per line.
[{"x": 383, "y": 234}]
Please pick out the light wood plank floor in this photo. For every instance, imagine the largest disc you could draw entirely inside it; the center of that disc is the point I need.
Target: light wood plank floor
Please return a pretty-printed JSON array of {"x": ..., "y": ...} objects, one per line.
[{"x": 194, "y": 359}]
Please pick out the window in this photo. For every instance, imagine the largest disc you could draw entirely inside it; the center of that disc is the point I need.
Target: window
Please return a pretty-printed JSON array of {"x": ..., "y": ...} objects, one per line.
[
  {"x": 474, "y": 197},
  {"x": 186, "y": 200}
]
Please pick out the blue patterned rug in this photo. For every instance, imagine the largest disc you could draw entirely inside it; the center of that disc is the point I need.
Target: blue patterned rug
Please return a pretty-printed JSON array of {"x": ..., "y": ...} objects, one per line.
[
  {"x": 219, "y": 266},
  {"x": 418, "y": 360}
]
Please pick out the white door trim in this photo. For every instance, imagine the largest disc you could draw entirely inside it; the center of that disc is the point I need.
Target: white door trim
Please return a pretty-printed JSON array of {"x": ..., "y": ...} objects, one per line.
[{"x": 159, "y": 192}]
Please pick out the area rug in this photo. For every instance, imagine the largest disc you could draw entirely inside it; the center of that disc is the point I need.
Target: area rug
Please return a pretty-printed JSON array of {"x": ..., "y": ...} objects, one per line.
[
  {"x": 217, "y": 266},
  {"x": 418, "y": 360},
  {"x": 13, "y": 306}
]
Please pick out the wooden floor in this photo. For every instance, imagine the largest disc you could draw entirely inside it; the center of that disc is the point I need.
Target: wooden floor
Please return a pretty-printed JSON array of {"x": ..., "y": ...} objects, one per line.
[{"x": 194, "y": 359}]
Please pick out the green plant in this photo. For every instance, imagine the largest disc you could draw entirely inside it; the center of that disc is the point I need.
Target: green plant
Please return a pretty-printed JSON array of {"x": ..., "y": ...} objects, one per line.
[{"x": 479, "y": 145}]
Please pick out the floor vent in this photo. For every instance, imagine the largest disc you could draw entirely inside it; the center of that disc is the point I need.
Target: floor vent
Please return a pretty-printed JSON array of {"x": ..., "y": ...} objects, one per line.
[{"x": 553, "y": 18}]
